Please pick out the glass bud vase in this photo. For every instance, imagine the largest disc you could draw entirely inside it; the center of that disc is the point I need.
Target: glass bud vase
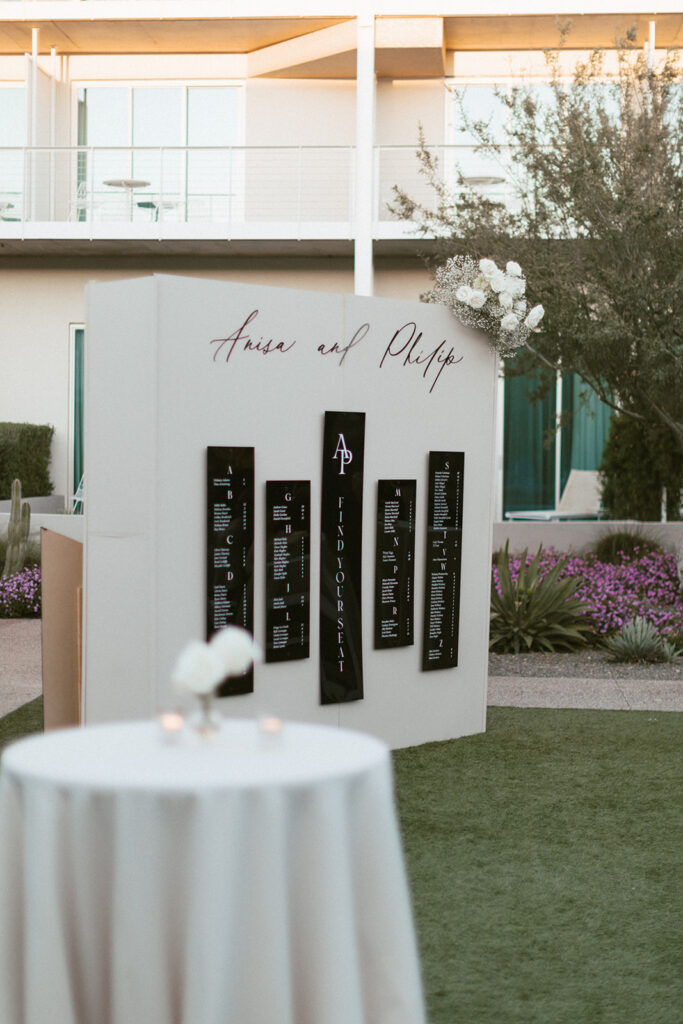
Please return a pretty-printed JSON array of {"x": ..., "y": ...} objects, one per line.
[{"x": 206, "y": 721}]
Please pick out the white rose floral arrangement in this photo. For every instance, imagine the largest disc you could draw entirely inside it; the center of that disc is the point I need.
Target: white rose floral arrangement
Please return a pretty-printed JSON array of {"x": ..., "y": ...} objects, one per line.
[
  {"x": 483, "y": 295},
  {"x": 200, "y": 667}
]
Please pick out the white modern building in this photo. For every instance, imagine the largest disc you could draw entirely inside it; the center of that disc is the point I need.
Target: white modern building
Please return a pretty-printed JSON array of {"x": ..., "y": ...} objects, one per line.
[{"x": 249, "y": 142}]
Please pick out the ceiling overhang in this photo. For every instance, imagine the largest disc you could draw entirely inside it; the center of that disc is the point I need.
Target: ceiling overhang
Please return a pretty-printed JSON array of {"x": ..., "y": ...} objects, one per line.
[
  {"x": 314, "y": 47},
  {"x": 410, "y": 48},
  {"x": 168, "y": 35},
  {"x": 538, "y": 32},
  {"x": 327, "y": 53},
  {"x": 404, "y": 48}
]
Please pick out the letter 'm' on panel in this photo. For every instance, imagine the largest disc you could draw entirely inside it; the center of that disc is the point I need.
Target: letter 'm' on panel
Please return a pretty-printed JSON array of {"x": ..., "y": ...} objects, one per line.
[{"x": 395, "y": 563}]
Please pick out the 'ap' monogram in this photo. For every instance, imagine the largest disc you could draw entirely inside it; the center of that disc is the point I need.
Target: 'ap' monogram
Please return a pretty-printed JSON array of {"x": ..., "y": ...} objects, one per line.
[{"x": 344, "y": 454}]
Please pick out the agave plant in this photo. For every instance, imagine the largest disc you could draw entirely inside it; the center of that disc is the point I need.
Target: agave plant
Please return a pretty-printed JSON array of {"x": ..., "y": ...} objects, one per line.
[
  {"x": 536, "y": 612},
  {"x": 640, "y": 641}
]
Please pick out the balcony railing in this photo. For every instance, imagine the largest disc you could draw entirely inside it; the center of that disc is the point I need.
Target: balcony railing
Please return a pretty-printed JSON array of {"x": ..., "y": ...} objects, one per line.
[{"x": 236, "y": 190}]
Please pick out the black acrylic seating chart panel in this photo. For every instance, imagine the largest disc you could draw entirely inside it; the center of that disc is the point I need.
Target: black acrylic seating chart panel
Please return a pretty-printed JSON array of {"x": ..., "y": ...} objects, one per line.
[
  {"x": 230, "y": 548},
  {"x": 341, "y": 520},
  {"x": 395, "y": 563},
  {"x": 288, "y": 539},
  {"x": 443, "y": 560}
]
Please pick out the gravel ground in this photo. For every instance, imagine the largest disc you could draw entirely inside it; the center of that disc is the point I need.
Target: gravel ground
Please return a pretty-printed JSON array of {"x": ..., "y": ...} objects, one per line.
[
  {"x": 590, "y": 664},
  {"x": 20, "y": 663}
]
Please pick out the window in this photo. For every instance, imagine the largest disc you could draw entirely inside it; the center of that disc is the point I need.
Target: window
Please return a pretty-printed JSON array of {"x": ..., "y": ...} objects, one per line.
[
  {"x": 212, "y": 176},
  {"x": 178, "y": 139},
  {"x": 479, "y": 104},
  {"x": 532, "y": 477},
  {"x": 484, "y": 104},
  {"x": 528, "y": 461},
  {"x": 12, "y": 133}
]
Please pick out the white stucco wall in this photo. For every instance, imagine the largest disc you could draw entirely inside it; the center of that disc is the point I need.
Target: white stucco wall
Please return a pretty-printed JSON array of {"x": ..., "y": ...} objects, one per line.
[
  {"x": 300, "y": 113},
  {"x": 403, "y": 105},
  {"x": 37, "y": 310},
  {"x": 66, "y": 525},
  {"x": 579, "y": 536}
]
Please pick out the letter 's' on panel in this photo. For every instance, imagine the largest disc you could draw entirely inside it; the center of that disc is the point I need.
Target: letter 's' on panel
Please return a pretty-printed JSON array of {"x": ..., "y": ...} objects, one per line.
[{"x": 443, "y": 561}]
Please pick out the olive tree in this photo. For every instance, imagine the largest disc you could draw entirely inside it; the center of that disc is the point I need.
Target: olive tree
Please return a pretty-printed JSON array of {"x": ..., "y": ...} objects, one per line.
[{"x": 595, "y": 169}]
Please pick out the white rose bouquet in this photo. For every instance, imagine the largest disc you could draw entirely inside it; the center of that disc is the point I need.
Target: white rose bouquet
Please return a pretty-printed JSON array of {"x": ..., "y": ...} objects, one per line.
[
  {"x": 200, "y": 667},
  {"x": 493, "y": 300}
]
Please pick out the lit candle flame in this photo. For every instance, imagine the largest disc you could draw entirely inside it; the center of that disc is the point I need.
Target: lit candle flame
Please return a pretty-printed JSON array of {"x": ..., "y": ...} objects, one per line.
[
  {"x": 270, "y": 725},
  {"x": 171, "y": 721}
]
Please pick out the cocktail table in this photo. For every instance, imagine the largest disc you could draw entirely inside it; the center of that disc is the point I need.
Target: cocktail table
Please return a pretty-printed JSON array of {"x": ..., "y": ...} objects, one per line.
[{"x": 248, "y": 878}]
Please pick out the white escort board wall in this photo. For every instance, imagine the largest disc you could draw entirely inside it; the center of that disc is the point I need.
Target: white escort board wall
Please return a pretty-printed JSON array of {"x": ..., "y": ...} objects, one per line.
[{"x": 156, "y": 398}]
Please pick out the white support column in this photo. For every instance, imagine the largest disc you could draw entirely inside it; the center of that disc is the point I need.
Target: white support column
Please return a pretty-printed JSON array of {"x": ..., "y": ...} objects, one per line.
[
  {"x": 33, "y": 138},
  {"x": 34, "y": 86},
  {"x": 558, "y": 438},
  {"x": 500, "y": 441},
  {"x": 365, "y": 138},
  {"x": 65, "y": 76},
  {"x": 53, "y": 129}
]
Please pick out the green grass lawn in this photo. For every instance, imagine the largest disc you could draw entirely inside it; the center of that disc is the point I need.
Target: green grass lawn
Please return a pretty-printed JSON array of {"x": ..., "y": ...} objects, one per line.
[
  {"x": 22, "y": 721},
  {"x": 544, "y": 860}
]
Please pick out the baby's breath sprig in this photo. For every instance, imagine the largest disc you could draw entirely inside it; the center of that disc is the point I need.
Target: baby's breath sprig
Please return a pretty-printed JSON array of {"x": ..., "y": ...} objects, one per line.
[{"x": 493, "y": 300}]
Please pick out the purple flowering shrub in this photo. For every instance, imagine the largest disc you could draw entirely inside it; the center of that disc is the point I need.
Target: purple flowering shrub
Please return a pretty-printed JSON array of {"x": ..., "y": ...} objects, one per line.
[
  {"x": 643, "y": 585},
  {"x": 20, "y": 596}
]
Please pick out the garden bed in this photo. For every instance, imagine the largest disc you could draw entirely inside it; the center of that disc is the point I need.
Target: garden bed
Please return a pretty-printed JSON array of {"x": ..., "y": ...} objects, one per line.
[{"x": 622, "y": 601}]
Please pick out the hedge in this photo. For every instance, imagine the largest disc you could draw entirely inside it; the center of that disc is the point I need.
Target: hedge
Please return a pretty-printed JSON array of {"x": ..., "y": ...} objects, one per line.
[
  {"x": 25, "y": 455},
  {"x": 638, "y": 461}
]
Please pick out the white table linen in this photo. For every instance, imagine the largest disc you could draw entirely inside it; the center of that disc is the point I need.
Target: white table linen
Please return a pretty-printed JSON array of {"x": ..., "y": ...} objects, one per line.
[{"x": 248, "y": 879}]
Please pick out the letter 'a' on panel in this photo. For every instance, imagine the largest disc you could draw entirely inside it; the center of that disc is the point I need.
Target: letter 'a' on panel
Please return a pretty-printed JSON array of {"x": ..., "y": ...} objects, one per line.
[
  {"x": 443, "y": 560},
  {"x": 230, "y": 549},
  {"x": 341, "y": 521},
  {"x": 288, "y": 542},
  {"x": 395, "y": 563}
]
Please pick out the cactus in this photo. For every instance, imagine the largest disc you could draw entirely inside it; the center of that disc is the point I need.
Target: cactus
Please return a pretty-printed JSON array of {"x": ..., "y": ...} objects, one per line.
[{"x": 17, "y": 532}]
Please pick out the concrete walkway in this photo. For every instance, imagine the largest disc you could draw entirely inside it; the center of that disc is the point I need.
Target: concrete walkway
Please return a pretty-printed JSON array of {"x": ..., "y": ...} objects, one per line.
[
  {"x": 21, "y": 670},
  {"x": 606, "y": 694},
  {"x": 21, "y": 681}
]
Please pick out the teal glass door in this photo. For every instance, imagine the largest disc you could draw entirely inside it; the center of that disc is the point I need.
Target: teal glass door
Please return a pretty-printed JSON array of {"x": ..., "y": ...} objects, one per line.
[
  {"x": 78, "y": 391},
  {"x": 529, "y": 448}
]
